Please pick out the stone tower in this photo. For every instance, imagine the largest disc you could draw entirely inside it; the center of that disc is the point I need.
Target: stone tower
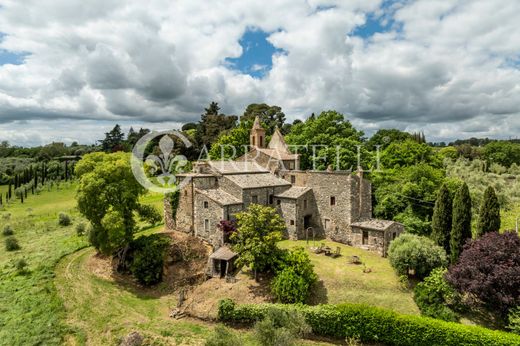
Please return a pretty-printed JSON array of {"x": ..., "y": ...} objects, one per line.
[{"x": 257, "y": 136}]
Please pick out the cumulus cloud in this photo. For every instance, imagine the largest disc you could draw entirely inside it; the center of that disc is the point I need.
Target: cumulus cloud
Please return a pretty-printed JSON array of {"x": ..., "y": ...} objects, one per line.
[{"x": 449, "y": 68}]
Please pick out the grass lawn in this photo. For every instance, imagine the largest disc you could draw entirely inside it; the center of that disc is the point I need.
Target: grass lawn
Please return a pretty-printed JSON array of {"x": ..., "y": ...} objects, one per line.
[{"x": 344, "y": 282}]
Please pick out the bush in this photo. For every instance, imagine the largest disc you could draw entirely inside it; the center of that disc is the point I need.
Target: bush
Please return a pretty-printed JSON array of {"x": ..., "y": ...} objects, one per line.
[
  {"x": 7, "y": 231},
  {"x": 80, "y": 229},
  {"x": 280, "y": 327},
  {"x": 412, "y": 252},
  {"x": 64, "y": 219},
  {"x": 294, "y": 278},
  {"x": 11, "y": 244},
  {"x": 149, "y": 214},
  {"x": 373, "y": 325},
  {"x": 514, "y": 320},
  {"x": 433, "y": 296},
  {"x": 148, "y": 258},
  {"x": 222, "y": 336},
  {"x": 21, "y": 266}
]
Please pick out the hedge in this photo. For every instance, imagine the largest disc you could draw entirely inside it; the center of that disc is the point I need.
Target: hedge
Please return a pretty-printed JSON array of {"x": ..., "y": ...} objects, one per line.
[{"x": 372, "y": 324}]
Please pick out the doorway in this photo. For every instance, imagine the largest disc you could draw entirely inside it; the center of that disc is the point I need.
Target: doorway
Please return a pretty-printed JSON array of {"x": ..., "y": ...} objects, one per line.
[
  {"x": 365, "y": 238},
  {"x": 307, "y": 221}
]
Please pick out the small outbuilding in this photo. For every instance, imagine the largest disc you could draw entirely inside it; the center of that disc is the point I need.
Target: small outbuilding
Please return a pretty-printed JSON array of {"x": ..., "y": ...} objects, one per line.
[
  {"x": 375, "y": 235},
  {"x": 222, "y": 262}
]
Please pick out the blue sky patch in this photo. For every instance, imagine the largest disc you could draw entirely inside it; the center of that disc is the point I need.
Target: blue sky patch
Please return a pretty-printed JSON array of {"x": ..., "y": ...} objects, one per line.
[
  {"x": 257, "y": 54},
  {"x": 378, "y": 23},
  {"x": 8, "y": 57}
]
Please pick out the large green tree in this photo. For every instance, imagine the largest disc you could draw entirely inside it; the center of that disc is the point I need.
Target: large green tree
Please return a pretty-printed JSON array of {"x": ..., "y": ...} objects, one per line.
[
  {"x": 384, "y": 137},
  {"x": 108, "y": 195},
  {"x": 461, "y": 227},
  {"x": 408, "y": 153},
  {"x": 325, "y": 140},
  {"x": 259, "y": 229},
  {"x": 489, "y": 216},
  {"x": 233, "y": 143},
  {"x": 270, "y": 116},
  {"x": 442, "y": 218}
]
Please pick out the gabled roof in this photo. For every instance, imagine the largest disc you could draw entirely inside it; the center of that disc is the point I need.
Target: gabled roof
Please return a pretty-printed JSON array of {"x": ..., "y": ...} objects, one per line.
[
  {"x": 236, "y": 167},
  {"x": 219, "y": 196},
  {"x": 294, "y": 192},
  {"x": 223, "y": 253},
  {"x": 280, "y": 155},
  {"x": 250, "y": 181},
  {"x": 374, "y": 224}
]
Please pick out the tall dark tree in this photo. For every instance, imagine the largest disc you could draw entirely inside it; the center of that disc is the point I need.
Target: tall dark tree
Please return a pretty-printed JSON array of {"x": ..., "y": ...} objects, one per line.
[
  {"x": 489, "y": 216},
  {"x": 461, "y": 228},
  {"x": 270, "y": 116},
  {"x": 442, "y": 218},
  {"x": 113, "y": 140},
  {"x": 212, "y": 124}
]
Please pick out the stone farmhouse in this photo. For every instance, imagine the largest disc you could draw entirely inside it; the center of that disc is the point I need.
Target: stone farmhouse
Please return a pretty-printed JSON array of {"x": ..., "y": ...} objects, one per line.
[{"x": 336, "y": 205}]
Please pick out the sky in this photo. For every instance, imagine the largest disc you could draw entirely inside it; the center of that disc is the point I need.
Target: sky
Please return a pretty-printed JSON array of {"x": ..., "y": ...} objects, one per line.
[{"x": 71, "y": 69}]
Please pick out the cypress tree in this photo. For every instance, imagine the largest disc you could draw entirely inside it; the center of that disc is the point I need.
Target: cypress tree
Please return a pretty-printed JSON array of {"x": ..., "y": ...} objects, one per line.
[
  {"x": 489, "y": 216},
  {"x": 442, "y": 217},
  {"x": 461, "y": 227},
  {"x": 9, "y": 191},
  {"x": 66, "y": 170}
]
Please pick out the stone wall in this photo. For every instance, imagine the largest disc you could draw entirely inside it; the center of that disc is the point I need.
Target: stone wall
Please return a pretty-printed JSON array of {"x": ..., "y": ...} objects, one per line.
[
  {"x": 184, "y": 218},
  {"x": 214, "y": 213},
  {"x": 334, "y": 220},
  {"x": 287, "y": 209},
  {"x": 169, "y": 221}
]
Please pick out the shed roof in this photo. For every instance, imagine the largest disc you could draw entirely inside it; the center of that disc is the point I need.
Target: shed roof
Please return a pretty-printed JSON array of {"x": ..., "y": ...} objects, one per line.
[
  {"x": 294, "y": 192},
  {"x": 219, "y": 196},
  {"x": 236, "y": 167},
  {"x": 250, "y": 181},
  {"x": 375, "y": 224},
  {"x": 223, "y": 253}
]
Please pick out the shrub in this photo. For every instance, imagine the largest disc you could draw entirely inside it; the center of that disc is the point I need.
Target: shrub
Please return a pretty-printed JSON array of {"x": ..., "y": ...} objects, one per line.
[
  {"x": 7, "y": 231},
  {"x": 514, "y": 320},
  {"x": 488, "y": 270},
  {"x": 11, "y": 244},
  {"x": 149, "y": 214},
  {"x": 64, "y": 219},
  {"x": 412, "y": 252},
  {"x": 21, "y": 266},
  {"x": 374, "y": 325},
  {"x": 80, "y": 229},
  {"x": 294, "y": 278},
  {"x": 222, "y": 336},
  {"x": 433, "y": 296},
  {"x": 280, "y": 327},
  {"x": 148, "y": 258}
]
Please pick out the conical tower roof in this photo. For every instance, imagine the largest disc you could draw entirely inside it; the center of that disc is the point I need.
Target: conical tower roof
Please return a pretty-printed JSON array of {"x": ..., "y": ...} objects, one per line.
[{"x": 257, "y": 125}]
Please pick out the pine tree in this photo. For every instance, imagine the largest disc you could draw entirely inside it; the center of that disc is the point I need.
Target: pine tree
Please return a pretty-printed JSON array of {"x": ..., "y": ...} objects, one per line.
[
  {"x": 461, "y": 227},
  {"x": 489, "y": 216},
  {"x": 442, "y": 218}
]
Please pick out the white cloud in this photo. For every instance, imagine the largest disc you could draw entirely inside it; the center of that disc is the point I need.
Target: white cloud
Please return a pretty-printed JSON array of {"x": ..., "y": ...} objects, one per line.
[{"x": 446, "y": 67}]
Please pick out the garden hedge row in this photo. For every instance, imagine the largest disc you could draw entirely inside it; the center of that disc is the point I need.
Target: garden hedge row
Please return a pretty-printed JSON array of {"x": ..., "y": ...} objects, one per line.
[{"x": 372, "y": 324}]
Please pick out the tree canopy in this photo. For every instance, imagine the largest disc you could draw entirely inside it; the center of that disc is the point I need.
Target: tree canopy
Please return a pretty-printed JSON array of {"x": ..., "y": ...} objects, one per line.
[
  {"x": 108, "y": 194},
  {"x": 442, "y": 218},
  {"x": 461, "y": 225},
  {"x": 319, "y": 136},
  {"x": 489, "y": 270},
  {"x": 270, "y": 116},
  {"x": 259, "y": 229},
  {"x": 489, "y": 216}
]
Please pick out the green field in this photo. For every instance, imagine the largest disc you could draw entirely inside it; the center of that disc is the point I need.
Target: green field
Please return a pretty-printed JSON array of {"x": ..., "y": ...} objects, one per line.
[
  {"x": 344, "y": 282},
  {"x": 31, "y": 311}
]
